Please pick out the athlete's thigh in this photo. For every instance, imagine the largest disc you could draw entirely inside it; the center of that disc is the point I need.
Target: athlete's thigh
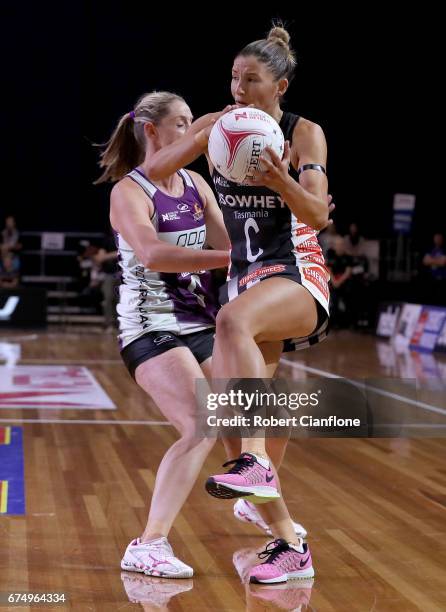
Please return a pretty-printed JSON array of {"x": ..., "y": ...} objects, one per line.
[
  {"x": 170, "y": 379},
  {"x": 274, "y": 309}
]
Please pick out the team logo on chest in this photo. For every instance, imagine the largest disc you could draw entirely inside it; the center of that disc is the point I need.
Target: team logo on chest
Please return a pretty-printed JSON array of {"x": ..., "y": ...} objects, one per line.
[
  {"x": 196, "y": 211},
  {"x": 198, "y": 214}
]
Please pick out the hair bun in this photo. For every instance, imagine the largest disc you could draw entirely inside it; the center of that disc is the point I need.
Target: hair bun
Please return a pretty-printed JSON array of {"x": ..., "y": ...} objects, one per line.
[{"x": 279, "y": 34}]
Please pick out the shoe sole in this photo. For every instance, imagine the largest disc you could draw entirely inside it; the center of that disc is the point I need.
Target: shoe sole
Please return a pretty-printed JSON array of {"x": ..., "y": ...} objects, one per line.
[
  {"x": 257, "y": 495},
  {"x": 133, "y": 568},
  {"x": 299, "y": 575},
  {"x": 216, "y": 489}
]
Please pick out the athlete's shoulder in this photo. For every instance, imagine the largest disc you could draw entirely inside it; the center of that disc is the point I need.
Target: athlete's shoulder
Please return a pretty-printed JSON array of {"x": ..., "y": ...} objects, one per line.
[
  {"x": 124, "y": 186},
  {"x": 200, "y": 183},
  {"x": 305, "y": 127},
  {"x": 127, "y": 190},
  {"x": 197, "y": 178},
  {"x": 309, "y": 144}
]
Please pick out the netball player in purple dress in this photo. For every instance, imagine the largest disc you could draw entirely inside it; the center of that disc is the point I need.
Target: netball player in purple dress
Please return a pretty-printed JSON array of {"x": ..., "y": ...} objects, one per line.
[{"x": 166, "y": 308}]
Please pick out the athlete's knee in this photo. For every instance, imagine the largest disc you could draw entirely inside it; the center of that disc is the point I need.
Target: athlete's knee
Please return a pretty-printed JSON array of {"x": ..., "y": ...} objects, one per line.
[
  {"x": 185, "y": 426},
  {"x": 190, "y": 441},
  {"x": 230, "y": 321},
  {"x": 190, "y": 430}
]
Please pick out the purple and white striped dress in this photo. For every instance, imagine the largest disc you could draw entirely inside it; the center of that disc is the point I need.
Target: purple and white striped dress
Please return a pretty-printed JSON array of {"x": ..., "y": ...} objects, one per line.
[{"x": 182, "y": 302}]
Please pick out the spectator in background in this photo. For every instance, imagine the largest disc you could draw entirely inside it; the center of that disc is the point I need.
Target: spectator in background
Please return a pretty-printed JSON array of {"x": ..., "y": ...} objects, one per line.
[
  {"x": 107, "y": 261},
  {"x": 435, "y": 259},
  {"x": 10, "y": 235},
  {"x": 327, "y": 238},
  {"x": 340, "y": 265},
  {"x": 90, "y": 275},
  {"x": 86, "y": 252},
  {"x": 99, "y": 278},
  {"x": 9, "y": 271},
  {"x": 354, "y": 242},
  {"x": 10, "y": 244},
  {"x": 354, "y": 245}
]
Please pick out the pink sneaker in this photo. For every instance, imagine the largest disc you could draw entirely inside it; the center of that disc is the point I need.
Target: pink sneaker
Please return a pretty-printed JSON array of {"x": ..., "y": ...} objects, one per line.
[
  {"x": 285, "y": 596},
  {"x": 247, "y": 477},
  {"x": 283, "y": 562}
]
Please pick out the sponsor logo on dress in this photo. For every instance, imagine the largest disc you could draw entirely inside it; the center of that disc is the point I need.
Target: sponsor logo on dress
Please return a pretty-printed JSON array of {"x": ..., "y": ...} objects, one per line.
[
  {"x": 315, "y": 275},
  {"x": 260, "y": 272},
  {"x": 162, "y": 339},
  {"x": 183, "y": 207},
  {"x": 314, "y": 258},
  {"x": 251, "y": 201},
  {"x": 220, "y": 180},
  {"x": 170, "y": 216},
  {"x": 304, "y": 230},
  {"x": 251, "y": 214},
  {"x": 309, "y": 246}
]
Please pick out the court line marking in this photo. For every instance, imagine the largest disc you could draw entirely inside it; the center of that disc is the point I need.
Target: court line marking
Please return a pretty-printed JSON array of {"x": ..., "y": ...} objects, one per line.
[
  {"x": 293, "y": 364},
  {"x": 395, "y": 396},
  {"x": 19, "y": 338},
  {"x": 86, "y": 421},
  {"x": 30, "y": 361},
  {"x": 3, "y": 496}
]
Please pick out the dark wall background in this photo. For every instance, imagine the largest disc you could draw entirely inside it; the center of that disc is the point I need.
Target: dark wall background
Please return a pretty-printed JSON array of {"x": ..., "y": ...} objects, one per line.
[{"x": 72, "y": 69}]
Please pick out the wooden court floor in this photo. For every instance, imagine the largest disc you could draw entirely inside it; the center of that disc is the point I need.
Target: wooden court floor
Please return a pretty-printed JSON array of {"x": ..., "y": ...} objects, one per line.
[{"x": 375, "y": 509}]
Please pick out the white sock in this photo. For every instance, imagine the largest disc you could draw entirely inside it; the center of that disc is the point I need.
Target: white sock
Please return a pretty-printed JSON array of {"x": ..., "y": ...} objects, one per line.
[
  {"x": 299, "y": 547},
  {"x": 264, "y": 462}
]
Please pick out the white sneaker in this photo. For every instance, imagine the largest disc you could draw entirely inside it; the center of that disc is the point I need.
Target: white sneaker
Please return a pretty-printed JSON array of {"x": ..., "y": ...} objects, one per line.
[
  {"x": 154, "y": 559},
  {"x": 156, "y": 591},
  {"x": 247, "y": 513}
]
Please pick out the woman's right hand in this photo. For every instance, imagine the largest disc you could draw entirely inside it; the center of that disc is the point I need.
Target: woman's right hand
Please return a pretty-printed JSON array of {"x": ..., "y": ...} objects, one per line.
[
  {"x": 209, "y": 119},
  {"x": 203, "y": 125},
  {"x": 206, "y": 123}
]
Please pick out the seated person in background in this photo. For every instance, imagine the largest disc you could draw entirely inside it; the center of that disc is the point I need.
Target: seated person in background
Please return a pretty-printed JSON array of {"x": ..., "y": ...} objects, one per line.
[
  {"x": 107, "y": 261},
  {"x": 10, "y": 237},
  {"x": 86, "y": 253},
  {"x": 354, "y": 245},
  {"x": 354, "y": 242},
  {"x": 340, "y": 265},
  {"x": 90, "y": 276},
  {"x": 327, "y": 238},
  {"x": 9, "y": 271},
  {"x": 435, "y": 259}
]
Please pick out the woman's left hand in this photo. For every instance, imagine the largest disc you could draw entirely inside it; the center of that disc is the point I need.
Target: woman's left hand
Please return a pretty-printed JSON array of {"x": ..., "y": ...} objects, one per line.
[{"x": 273, "y": 171}]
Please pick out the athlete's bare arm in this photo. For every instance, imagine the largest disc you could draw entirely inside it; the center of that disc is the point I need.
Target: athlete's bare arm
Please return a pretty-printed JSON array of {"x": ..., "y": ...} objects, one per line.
[
  {"x": 308, "y": 198},
  {"x": 184, "y": 151},
  {"x": 130, "y": 213},
  {"x": 310, "y": 147},
  {"x": 216, "y": 234}
]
